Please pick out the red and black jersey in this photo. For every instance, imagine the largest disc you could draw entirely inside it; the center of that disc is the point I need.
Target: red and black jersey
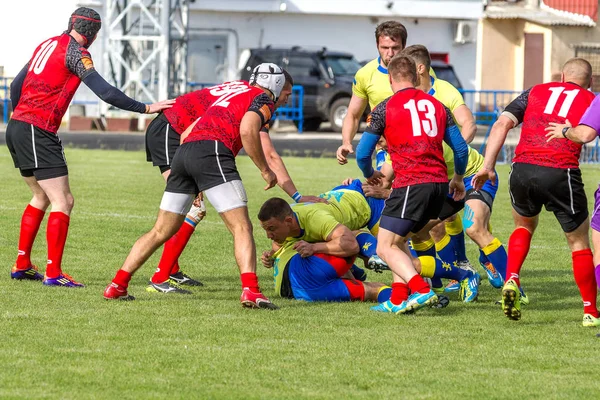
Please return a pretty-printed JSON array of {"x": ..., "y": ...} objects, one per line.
[
  {"x": 536, "y": 108},
  {"x": 187, "y": 109},
  {"x": 55, "y": 71},
  {"x": 229, "y": 102},
  {"x": 414, "y": 125}
]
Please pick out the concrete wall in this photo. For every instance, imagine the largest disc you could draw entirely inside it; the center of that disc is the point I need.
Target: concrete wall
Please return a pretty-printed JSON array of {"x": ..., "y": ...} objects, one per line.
[
  {"x": 564, "y": 38},
  {"x": 499, "y": 55}
]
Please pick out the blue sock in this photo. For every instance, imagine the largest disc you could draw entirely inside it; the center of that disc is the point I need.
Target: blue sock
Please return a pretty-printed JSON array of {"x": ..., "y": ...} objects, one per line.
[
  {"x": 437, "y": 282},
  {"x": 413, "y": 252},
  {"x": 436, "y": 268},
  {"x": 483, "y": 258},
  {"x": 367, "y": 244},
  {"x": 458, "y": 244},
  {"x": 358, "y": 273},
  {"x": 445, "y": 251},
  {"x": 496, "y": 253},
  {"x": 384, "y": 294}
]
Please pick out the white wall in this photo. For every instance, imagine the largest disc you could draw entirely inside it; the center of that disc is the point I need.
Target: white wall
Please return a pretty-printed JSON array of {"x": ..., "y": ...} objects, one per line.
[{"x": 355, "y": 34}]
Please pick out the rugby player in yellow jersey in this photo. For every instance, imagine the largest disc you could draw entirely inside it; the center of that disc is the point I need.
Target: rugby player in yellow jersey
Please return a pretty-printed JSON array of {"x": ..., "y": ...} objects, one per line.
[{"x": 314, "y": 248}]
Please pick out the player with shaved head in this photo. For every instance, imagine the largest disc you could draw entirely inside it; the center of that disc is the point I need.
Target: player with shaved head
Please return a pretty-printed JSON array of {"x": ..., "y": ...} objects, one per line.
[{"x": 546, "y": 173}]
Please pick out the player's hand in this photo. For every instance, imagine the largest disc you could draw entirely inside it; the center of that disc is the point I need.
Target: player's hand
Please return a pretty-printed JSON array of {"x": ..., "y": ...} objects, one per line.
[
  {"x": 376, "y": 178},
  {"x": 347, "y": 181},
  {"x": 267, "y": 258},
  {"x": 376, "y": 191},
  {"x": 312, "y": 199},
  {"x": 199, "y": 202},
  {"x": 342, "y": 153},
  {"x": 483, "y": 175},
  {"x": 457, "y": 188},
  {"x": 161, "y": 105},
  {"x": 555, "y": 130},
  {"x": 269, "y": 177},
  {"x": 303, "y": 248}
]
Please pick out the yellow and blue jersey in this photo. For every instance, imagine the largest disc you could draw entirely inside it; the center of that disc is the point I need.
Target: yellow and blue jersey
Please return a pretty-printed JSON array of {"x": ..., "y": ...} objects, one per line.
[
  {"x": 281, "y": 258},
  {"x": 372, "y": 83}
]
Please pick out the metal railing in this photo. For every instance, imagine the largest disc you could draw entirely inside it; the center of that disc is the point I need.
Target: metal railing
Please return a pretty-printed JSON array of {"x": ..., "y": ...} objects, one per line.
[{"x": 5, "y": 97}]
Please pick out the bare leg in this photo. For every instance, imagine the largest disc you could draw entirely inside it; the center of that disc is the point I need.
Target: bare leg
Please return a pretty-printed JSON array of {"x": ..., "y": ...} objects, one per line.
[{"x": 238, "y": 223}]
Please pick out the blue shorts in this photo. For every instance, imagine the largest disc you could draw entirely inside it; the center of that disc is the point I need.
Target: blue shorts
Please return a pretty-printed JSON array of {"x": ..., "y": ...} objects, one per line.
[
  {"x": 488, "y": 186},
  {"x": 314, "y": 279}
]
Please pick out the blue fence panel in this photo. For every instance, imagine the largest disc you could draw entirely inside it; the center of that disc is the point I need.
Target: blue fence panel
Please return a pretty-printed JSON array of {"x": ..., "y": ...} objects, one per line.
[
  {"x": 5, "y": 97},
  {"x": 292, "y": 111}
]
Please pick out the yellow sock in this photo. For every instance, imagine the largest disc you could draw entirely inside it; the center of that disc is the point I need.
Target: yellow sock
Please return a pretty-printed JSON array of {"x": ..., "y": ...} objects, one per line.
[
  {"x": 454, "y": 227},
  {"x": 427, "y": 266},
  {"x": 445, "y": 241},
  {"x": 423, "y": 246},
  {"x": 493, "y": 246}
]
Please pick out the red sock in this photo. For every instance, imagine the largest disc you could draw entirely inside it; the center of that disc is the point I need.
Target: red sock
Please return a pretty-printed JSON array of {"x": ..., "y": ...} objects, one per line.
[
  {"x": 583, "y": 270},
  {"x": 175, "y": 268},
  {"x": 122, "y": 278},
  {"x": 399, "y": 293},
  {"x": 30, "y": 224},
  {"x": 418, "y": 284},
  {"x": 250, "y": 280},
  {"x": 518, "y": 248},
  {"x": 171, "y": 252},
  {"x": 56, "y": 236}
]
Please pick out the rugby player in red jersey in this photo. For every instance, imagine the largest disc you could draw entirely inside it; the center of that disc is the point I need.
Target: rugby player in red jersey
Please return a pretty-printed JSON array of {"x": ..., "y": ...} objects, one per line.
[
  {"x": 41, "y": 94},
  {"x": 414, "y": 124},
  {"x": 205, "y": 162},
  {"x": 163, "y": 137},
  {"x": 546, "y": 174}
]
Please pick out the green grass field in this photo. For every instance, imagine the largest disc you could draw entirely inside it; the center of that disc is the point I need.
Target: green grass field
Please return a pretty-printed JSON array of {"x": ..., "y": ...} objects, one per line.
[{"x": 72, "y": 344}]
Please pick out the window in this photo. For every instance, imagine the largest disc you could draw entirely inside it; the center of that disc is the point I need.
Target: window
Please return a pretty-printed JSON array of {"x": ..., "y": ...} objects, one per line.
[
  {"x": 302, "y": 66},
  {"x": 342, "y": 65},
  {"x": 593, "y": 56}
]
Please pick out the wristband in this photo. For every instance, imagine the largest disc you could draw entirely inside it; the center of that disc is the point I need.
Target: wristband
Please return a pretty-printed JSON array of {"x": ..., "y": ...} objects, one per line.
[
  {"x": 147, "y": 109},
  {"x": 296, "y": 196},
  {"x": 564, "y": 132}
]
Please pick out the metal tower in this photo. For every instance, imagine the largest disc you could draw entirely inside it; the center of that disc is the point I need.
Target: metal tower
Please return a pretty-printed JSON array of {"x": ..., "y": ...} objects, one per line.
[{"x": 145, "y": 44}]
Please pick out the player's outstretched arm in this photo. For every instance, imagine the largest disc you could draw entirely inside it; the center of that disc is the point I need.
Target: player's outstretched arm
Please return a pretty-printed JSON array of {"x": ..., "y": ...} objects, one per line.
[
  {"x": 356, "y": 108},
  {"x": 113, "y": 96},
  {"x": 250, "y": 135},
  {"x": 17, "y": 85},
  {"x": 364, "y": 153},
  {"x": 580, "y": 134},
  {"x": 284, "y": 180}
]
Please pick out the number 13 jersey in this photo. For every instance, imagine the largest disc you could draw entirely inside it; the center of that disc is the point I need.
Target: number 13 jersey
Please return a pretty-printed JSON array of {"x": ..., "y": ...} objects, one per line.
[
  {"x": 536, "y": 108},
  {"x": 414, "y": 125},
  {"x": 229, "y": 103}
]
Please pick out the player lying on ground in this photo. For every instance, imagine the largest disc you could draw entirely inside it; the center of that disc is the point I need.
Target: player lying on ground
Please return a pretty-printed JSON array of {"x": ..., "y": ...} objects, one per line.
[
  {"x": 40, "y": 95},
  {"x": 205, "y": 162},
  {"x": 546, "y": 174},
  {"x": 163, "y": 138},
  {"x": 415, "y": 142}
]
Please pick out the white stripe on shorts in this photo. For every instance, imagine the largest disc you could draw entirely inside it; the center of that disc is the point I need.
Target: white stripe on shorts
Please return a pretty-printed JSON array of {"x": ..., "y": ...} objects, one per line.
[
  {"x": 405, "y": 201},
  {"x": 219, "y": 162},
  {"x": 167, "y": 145},
  {"x": 33, "y": 145},
  {"x": 570, "y": 189}
]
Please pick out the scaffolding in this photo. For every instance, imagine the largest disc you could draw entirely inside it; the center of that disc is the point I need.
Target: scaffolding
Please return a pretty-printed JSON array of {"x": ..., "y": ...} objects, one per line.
[{"x": 145, "y": 44}]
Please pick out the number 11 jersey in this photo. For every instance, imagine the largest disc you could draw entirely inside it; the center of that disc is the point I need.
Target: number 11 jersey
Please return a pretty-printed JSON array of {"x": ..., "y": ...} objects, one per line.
[
  {"x": 536, "y": 108},
  {"x": 414, "y": 124}
]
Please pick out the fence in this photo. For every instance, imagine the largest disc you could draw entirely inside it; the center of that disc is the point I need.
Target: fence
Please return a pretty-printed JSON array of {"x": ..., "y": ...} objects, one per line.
[{"x": 292, "y": 111}]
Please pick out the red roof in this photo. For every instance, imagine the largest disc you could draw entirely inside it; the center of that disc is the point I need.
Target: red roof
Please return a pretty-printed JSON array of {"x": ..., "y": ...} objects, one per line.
[{"x": 582, "y": 7}]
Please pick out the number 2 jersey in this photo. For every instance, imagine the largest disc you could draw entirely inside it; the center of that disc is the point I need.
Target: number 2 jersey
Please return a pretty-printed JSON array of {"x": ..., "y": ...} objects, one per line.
[
  {"x": 229, "y": 103},
  {"x": 536, "y": 108},
  {"x": 55, "y": 72},
  {"x": 414, "y": 125}
]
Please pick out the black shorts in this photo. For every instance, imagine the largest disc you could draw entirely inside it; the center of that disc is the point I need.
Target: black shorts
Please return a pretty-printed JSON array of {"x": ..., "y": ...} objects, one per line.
[
  {"x": 451, "y": 207},
  {"x": 417, "y": 203},
  {"x": 33, "y": 149},
  {"x": 558, "y": 190},
  {"x": 201, "y": 165},
  {"x": 162, "y": 141}
]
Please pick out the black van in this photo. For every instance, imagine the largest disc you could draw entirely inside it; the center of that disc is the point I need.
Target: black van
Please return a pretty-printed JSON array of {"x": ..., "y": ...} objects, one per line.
[{"x": 325, "y": 75}]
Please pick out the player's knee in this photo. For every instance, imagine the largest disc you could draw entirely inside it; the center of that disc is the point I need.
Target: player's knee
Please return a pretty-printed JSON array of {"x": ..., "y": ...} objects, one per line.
[{"x": 69, "y": 201}]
